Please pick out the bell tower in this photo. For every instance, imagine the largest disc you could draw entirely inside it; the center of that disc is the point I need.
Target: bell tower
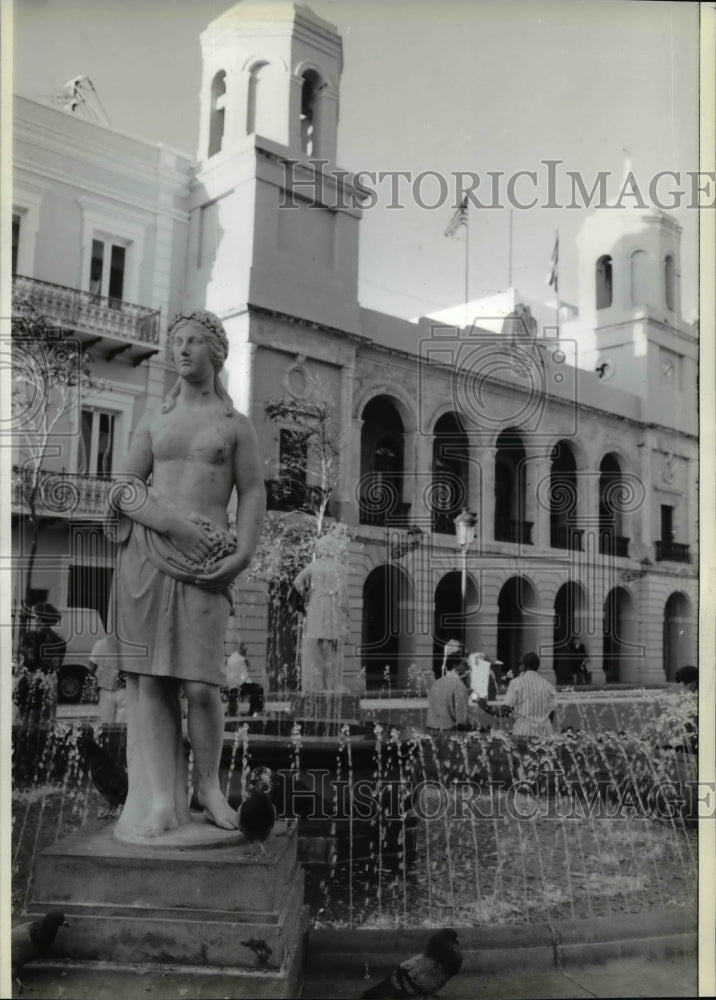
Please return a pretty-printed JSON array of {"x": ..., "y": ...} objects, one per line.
[
  {"x": 270, "y": 69},
  {"x": 273, "y": 223},
  {"x": 632, "y": 331}
]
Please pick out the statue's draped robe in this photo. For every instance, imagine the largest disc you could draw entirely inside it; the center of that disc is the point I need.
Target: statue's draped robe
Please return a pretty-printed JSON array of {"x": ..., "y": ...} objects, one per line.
[
  {"x": 162, "y": 623},
  {"x": 326, "y": 624}
]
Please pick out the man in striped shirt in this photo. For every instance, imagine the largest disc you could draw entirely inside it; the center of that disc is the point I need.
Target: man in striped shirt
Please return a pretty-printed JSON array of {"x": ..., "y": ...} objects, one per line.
[{"x": 531, "y": 698}]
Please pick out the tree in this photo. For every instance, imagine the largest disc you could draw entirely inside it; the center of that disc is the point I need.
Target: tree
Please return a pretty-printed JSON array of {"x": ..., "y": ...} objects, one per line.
[
  {"x": 308, "y": 468},
  {"x": 50, "y": 373},
  {"x": 306, "y": 475}
]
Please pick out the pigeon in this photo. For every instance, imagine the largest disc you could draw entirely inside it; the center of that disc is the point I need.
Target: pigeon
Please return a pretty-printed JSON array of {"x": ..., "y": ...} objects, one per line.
[
  {"x": 35, "y": 939},
  {"x": 109, "y": 778},
  {"x": 422, "y": 975},
  {"x": 257, "y": 813}
]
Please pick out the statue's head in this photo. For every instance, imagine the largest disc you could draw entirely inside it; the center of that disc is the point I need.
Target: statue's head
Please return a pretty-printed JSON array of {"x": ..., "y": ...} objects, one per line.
[
  {"x": 327, "y": 545},
  {"x": 217, "y": 343},
  {"x": 213, "y": 329}
]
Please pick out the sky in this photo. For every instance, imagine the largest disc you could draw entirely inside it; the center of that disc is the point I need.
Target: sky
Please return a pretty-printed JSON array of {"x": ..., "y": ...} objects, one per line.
[{"x": 461, "y": 85}]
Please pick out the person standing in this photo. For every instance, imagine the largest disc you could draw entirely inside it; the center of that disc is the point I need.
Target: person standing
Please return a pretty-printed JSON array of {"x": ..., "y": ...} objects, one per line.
[
  {"x": 448, "y": 699},
  {"x": 530, "y": 698},
  {"x": 577, "y": 661},
  {"x": 240, "y": 685}
]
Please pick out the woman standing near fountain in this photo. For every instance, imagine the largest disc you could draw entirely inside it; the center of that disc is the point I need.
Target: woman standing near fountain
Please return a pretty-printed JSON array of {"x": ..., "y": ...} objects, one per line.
[{"x": 172, "y": 587}]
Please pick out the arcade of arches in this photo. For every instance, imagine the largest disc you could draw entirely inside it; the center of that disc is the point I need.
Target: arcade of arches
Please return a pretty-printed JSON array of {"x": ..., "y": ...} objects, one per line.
[
  {"x": 391, "y": 639},
  {"x": 409, "y": 477}
]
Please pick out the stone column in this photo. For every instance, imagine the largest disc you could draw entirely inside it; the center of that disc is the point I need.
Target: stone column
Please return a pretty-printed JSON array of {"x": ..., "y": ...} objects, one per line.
[
  {"x": 643, "y": 539},
  {"x": 481, "y": 487},
  {"x": 486, "y": 633},
  {"x": 418, "y": 476},
  {"x": 537, "y": 497},
  {"x": 349, "y": 446}
]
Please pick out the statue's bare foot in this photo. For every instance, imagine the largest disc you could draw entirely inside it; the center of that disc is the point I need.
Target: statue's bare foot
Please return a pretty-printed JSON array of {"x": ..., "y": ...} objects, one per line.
[
  {"x": 159, "y": 821},
  {"x": 218, "y": 811},
  {"x": 152, "y": 823}
]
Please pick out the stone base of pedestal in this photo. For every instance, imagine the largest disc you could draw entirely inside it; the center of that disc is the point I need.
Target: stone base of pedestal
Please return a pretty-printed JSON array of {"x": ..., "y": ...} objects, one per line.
[{"x": 224, "y": 913}]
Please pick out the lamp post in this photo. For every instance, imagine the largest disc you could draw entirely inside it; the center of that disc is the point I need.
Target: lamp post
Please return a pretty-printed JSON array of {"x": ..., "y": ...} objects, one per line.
[{"x": 465, "y": 523}]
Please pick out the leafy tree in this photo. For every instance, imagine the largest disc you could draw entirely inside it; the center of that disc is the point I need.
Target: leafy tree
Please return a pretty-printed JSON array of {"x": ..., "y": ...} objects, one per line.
[
  {"x": 309, "y": 470},
  {"x": 50, "y": 372},
  {"x": 306, "y": 476}
]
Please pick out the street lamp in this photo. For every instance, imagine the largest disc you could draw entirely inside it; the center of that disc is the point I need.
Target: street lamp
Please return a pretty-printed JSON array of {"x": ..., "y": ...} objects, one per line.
[{"x": 465, "y": 533}]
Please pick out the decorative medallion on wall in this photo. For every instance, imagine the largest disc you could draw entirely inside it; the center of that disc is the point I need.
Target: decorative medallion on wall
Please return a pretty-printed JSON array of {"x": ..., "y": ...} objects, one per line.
[
  {"x": 667, "y": 469},
  {"x": 296, "y": 378}
]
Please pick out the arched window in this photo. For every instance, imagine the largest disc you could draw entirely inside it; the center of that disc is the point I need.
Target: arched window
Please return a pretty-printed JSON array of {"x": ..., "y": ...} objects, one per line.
[
  {"x": 639, "y": 278},
  {"x": 563, "y": 500},
  {"x": 449, "y": 488},
  {"x": 256, "y": 76},
  {"x": 510, "y": 525},
  {"x": 312, "y": 84},
  {"x": 611, "y": 508},
  {"x": 382, "y": 455},
  {"x": 669, "y": 281},
  {"x": 218, "y": 110},
  {"x": 604, "y": 282}
]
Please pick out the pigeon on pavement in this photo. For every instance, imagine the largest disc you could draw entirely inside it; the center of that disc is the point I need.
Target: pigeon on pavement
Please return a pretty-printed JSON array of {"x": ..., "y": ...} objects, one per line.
[
  {"x": 425, "y": 974},
  {"x": 257, "y": 813},
  {"x": 108, "y": 777},
  {"x": 35, "y": 938}
]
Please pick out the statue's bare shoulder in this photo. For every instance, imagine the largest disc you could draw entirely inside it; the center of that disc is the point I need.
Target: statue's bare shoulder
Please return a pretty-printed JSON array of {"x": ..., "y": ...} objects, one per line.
[{"x": 247, "y": 461}]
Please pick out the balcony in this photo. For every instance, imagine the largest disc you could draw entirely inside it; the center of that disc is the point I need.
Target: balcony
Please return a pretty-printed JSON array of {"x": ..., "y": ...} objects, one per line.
[
  {"x": 393, "y": 516},
  {"x": 613, "y": 545},
  {"x": 124, "y": 327},
  {"x": 507, "y": 529},
  {"x": 62, "y": 494},
  {"x": 672, "y": 552},
  {"x": 564, "y": 537}
]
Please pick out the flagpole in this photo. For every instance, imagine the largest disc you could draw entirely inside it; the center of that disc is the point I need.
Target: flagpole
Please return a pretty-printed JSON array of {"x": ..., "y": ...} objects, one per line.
[
  {"x": 467, "y": 261},
  {"x": 509, "y": 280},
  {"x": 556, "y": 290}
]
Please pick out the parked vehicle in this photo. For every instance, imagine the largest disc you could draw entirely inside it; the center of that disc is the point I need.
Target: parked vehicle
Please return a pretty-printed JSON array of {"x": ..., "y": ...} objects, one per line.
[{"x": 80, "y": 628}]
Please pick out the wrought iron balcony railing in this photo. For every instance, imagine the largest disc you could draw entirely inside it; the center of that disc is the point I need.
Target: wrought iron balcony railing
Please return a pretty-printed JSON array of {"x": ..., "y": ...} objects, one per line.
[
  {"x": 565, "y": 537},
  {"x": 613, "y": 545},
  {"x": 507, "y": 529},
  {"x": 672, "y": 552},
  {"x": 61, "y": 494},
  {"x": 91, "y": 314},
  {"x": 394, "y": 515}
]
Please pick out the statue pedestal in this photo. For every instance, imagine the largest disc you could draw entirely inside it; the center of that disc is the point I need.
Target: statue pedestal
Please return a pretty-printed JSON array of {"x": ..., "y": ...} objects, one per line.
[{"x": 228, "y": 917}]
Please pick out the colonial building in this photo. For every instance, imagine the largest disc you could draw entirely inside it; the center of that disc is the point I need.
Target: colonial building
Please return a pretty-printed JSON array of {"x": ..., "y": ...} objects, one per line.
[
  {"x": 583, "y": 477},
  {"x": 99, "y": 223}
]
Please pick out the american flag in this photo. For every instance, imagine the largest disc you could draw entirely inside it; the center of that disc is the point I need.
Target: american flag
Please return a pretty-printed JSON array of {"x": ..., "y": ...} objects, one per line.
[
  {"x": 553, "y": 277},
  {"x": 458, "y": 220}
]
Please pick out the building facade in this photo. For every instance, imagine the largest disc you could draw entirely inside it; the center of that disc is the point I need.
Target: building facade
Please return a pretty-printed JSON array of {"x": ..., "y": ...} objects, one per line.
[
  {"x": 583, "y": 477},
  {"x": 99, "y": 233}
]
